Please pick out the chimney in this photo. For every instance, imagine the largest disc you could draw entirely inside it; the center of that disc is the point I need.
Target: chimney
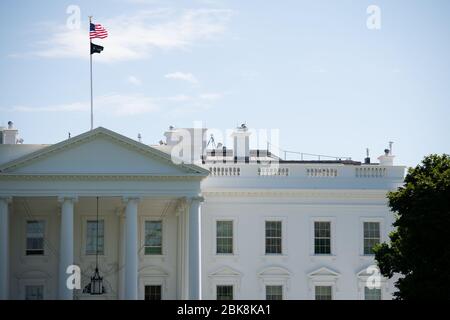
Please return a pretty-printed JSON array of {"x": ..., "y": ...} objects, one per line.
[
  {"x": 367, "y": 158},
  {"x": 241, "y": 144},
  {"x": 8, "y": 135},
  {"x": 387, "y": 159}
]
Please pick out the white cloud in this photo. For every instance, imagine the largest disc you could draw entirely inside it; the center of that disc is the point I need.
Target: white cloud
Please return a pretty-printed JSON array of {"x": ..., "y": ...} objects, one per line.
[
  {"x": 188, "y": 77},
  {"x": 117, "y": 104},
  {"x": 133, "y": 104},
  {"x": 211, "y": 96},
  {"x": 137, "y": 36},
  {"x": 134, "y": 80}
]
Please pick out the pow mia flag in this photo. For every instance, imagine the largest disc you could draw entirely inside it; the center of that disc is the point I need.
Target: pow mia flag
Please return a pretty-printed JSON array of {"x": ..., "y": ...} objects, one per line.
[{"x": 95, "y": 48}]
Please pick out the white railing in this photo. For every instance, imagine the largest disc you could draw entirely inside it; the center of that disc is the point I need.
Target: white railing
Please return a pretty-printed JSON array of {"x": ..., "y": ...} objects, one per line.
[
  {"x": 269, "y": 171},
  {"x": 322, "y": 172},
  {"x": 304, "y": 171},
  {"x": 225, "y": 171},
  {"x": 374, "y": 172}
]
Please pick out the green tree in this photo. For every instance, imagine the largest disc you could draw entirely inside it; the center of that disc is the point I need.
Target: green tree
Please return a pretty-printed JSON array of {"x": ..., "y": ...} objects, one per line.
[{"x": 419, "y": 247}]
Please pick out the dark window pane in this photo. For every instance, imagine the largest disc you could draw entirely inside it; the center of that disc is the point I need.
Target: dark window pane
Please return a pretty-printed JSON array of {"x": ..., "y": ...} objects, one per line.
[{"x": 224, "y": 292}]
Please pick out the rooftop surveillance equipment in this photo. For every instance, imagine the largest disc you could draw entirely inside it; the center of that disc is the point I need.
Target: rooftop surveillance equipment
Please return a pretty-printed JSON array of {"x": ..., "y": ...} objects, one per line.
[
  {"x": 390, "y": 146},
  {"x": 211, "y": 141}
]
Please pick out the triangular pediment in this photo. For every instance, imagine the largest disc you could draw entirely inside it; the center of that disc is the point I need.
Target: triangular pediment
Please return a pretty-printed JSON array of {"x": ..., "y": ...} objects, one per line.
[
  {"x": 274, "y": 271},
  {"x": 323, "y": 272},
  {"x": 225, "y": 272},
  {"x": 100, "y": 152}
]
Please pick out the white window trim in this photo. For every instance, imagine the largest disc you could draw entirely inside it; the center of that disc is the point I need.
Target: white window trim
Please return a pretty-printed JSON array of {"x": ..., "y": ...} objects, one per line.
[
  {"x": 33, "y": 278},
  {"x": 91, "y": 257},
  {"x": 225, "y": 284},
  {"x": 150, "y": 276},
  {"x": 276, "y": 276},
  {"x": 333, "y": 237},
  {"x": 153, "y": 281},
  {"x": 275, "y": 283},
  {"x": 324, "y": 284},
  {"x": 225, "y": 276},
  {"x": 284, "y": 238},
  {"x": 142, "y": 254},
  {"x": 362, "y": 280},
  {"x": 383, "y": 235},
  {"x": 36, "y": 258},
  {"x": 329, "y": 278},
  {"x": 235, "y": 242}
]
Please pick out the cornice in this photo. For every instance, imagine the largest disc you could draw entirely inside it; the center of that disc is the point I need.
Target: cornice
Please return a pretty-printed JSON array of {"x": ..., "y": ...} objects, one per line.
[
  {"x": 96, "y": 177},
  {"x": 298, "y": 193}
]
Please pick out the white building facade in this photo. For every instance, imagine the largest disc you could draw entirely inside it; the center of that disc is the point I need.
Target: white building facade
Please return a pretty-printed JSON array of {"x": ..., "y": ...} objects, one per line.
[{"x": 236, "y": 224}]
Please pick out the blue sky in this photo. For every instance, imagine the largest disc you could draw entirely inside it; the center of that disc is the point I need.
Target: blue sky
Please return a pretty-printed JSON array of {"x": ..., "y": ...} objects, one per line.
[{"x": 311, "y": 69}]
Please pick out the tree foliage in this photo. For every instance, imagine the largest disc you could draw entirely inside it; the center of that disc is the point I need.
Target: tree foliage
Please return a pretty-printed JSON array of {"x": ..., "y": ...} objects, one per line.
[{"x": 419, "y": 248}]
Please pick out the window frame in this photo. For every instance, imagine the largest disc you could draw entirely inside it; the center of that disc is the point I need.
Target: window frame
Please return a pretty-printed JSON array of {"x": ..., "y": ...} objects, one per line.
[
  {"x": 144, "y": 246},
  {"x": 333, "y": 237},
  {"x": 84, "y": 218},
  {"x": 381, "y": 293},
  {"x": 316, "y": 285},
  {"x": 226, "y": 285},
  {"x": 86, "y": 222},
  {"x": 233, "y": 237},
  {"x": 381, "y": 221},
  {"x": 153, "y": 285},
  {"x": 284, "y": 238},
  {"x": 34, "y": 285},
  {"x": 44, "y": 237},
  {"x": 274, "y": 285}
]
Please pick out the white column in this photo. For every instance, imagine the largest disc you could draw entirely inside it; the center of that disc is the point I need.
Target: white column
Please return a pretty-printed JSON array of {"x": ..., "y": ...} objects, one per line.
[
  {"x": 131, "y": 248},
  {"x": 194, "y": 248},
  {"x": 65, "y": 246},
  {"x": 4, "y": 248},
  {"x": 121, "y": 256},
  {"x": 182, "y": 252}
]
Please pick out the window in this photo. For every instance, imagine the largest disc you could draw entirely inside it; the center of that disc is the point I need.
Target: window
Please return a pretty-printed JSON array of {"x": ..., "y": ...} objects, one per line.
[
  {"x": 322, "y": 237},
  {"x": 371, "y": 236},
  {"x": 91, "y": 235},
  {"x": 35, "y": 237},
  {"x": 273, "y": 237},
  {"x": 152, "y": 293},
  {"x": 153, "y": 237},
  {"x": 274, "y": 292},
  {"x": 372, "y": 294},
  {"x": 224, "y": 237},
  {"x": 34, "y": 292},
  {"x": 323, "y": 293},
  {"x": 224, "y": 292}
]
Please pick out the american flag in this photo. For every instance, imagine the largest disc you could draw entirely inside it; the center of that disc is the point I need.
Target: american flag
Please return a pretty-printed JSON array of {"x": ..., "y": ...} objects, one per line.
[{"x": 97, "y": 31}]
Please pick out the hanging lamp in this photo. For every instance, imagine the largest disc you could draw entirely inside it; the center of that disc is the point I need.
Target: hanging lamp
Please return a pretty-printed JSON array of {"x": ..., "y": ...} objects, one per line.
[{"x": 95, "y": 287}]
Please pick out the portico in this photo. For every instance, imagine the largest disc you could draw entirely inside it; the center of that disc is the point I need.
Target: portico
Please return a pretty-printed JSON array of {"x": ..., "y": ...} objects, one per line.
[{"x": 136, "y": 184}]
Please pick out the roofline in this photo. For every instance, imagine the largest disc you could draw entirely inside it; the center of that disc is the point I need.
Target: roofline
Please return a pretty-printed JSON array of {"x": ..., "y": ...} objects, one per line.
[{"x": 89, "y": 134}]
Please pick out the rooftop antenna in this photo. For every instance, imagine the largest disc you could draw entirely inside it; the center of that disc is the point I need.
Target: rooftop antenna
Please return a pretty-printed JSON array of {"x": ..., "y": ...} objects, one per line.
[
  {"x": 390, "y": 147},
  {"x": 367, "y": 159}
]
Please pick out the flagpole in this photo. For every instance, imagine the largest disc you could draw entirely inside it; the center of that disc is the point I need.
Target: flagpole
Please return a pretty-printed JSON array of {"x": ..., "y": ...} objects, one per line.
[{"x": 90, "y": 60}]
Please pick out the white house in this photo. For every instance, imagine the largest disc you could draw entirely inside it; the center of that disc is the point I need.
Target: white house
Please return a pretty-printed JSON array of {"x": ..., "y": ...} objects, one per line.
[{"x": 235, "y": 224}]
